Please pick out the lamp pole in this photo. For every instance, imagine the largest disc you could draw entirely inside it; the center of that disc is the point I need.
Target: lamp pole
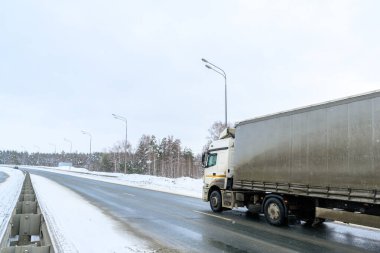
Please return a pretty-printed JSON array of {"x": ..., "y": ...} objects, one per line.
[
  {"x": 23, "y": 154},
  {"x": 71, "y": 148},
  {"x": 38, "y": 154},
  {"x": 71, "y": 144},
  {"x": 221, "y": 72},
  {"x": 126, "y": 135},
  {"x": 89, "y": 158},
  {"x": 55, "y": 152},
  {"x": 55, "y": 147}
]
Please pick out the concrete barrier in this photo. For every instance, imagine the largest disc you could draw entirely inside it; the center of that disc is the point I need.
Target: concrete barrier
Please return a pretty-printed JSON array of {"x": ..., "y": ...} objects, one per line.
[{"x": 27, "y": 231}]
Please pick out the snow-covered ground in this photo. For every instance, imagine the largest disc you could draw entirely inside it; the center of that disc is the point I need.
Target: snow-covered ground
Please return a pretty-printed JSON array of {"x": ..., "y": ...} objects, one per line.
[
  {"x": 183, "y": 186},
  {"x": 75, "y": 225},
  {"x": 9, "y": 191},
  {"x": 64, "y": 209}
]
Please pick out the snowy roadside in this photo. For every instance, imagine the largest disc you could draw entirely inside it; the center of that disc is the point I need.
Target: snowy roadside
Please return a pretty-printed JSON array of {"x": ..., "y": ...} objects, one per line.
[
  {"x": 9, "y": 191},
  {"x": 182, "y": 186},
  {"x": 75, "y": 225}
]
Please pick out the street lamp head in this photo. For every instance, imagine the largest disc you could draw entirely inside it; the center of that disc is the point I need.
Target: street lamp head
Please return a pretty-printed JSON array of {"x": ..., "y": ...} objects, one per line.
[
  {"x": 119, "y": 117},
  {"x": 67, "y": 140},
  {"x": 116, "y": 116},
  {"x": 204, "y": 60},
  {"x": 87, "y": 133},
  {"x": 208, "y": 66}
]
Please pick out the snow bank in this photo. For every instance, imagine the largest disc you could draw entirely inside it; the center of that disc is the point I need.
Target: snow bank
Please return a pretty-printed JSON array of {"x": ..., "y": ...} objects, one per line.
[
  {"x": 9, "y": 192},
  {"x": 71, "y": 168},
  {"x": 76, "y": 225},
  {"x": 183, "y": 186}
]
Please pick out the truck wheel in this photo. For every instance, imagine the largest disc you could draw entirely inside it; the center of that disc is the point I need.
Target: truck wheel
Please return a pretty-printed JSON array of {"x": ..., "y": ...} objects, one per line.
[
  {"x": 216, "y": 201},
  {"x": 274, "y": 212}
]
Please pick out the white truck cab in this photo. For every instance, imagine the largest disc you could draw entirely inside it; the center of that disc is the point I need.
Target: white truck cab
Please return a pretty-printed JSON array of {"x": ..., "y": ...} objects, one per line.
[{"x": 217, "y": 161}]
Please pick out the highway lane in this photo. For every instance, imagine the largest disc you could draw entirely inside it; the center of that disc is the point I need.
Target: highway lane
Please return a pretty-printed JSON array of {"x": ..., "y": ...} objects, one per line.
[{"x": 176, "y": 223}]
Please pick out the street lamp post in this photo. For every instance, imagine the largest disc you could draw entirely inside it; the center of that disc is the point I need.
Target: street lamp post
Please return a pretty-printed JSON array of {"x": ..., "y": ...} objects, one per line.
[
  {"x": 55, "y": 147},
  {"x": 71, "y": 148},
  {"x": 126, "y": 135},
  {"x": 89, "y": 158},
  {"x": 222, "y": 73},
  {"x": 71, "y": 144},
  {"x": 54, "y": 154},
  {"x": 23, "y": 155},
  {"x": 38, "y": 154}
]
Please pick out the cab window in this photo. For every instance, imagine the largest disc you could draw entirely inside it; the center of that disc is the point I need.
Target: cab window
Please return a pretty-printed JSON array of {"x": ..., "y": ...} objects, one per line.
[{"x": 211, "y": 161}]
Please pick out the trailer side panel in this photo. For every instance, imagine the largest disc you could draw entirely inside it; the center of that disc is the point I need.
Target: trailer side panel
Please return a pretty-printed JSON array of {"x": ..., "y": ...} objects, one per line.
[{"x": 330, "y": 150}]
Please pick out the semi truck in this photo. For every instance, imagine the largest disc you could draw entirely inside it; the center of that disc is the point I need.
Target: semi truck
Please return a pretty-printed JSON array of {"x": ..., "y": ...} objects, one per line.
[{"x": 312, "y": 163}]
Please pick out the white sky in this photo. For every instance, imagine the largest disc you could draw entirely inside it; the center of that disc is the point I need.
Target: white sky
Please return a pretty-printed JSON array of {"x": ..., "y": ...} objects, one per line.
[{"x": 66, "y": 66}]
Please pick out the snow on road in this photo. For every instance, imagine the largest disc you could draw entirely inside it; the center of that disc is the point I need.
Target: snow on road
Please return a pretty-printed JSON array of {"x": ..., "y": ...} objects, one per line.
[
  {"x": 183, "y": 186},
  {"x": 9, "y": 191},
  {"x": 76, "y": 225}
]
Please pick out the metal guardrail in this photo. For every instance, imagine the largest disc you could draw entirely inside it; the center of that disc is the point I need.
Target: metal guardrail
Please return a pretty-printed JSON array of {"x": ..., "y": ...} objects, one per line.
[{"x": 27, "y": 231}]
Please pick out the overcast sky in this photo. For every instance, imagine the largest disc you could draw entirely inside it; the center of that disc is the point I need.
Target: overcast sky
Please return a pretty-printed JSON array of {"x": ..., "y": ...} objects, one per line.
[{"x": 66, "y": 66}]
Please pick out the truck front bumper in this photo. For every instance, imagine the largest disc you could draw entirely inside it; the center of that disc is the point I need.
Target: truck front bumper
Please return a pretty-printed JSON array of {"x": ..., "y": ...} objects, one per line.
[{"x": 205, "y": 194}]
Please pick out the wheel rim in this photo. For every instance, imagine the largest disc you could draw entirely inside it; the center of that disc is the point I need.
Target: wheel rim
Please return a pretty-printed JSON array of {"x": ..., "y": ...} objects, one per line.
[
  {"x": 274, "y": 211},
  {"x": 214, "y": 201}
]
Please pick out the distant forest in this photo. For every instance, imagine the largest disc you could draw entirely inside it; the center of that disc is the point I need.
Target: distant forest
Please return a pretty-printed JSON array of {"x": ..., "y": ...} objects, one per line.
[
  {"x": 160, "y": 158},
  {"x": 165, "y": 157}
]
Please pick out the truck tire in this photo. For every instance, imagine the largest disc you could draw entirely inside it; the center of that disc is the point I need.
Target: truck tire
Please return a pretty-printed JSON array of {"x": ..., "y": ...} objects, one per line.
[
  {"x": 216, "y": 201},
  {"x": 274, "y": 212}
]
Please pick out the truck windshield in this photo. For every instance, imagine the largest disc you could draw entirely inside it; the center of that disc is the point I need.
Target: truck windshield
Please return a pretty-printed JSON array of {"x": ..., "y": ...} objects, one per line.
[{"x": 211, "y": 161}]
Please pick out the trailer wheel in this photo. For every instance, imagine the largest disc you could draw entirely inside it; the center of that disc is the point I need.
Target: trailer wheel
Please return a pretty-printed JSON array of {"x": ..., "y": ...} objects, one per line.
[
  {"x": 274, "y": 212},
  {"x": 216, "y": 201}
]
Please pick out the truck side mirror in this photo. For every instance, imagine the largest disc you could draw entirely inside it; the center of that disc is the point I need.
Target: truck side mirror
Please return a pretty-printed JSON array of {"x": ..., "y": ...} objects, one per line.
[{"x": 204, "y": 160}]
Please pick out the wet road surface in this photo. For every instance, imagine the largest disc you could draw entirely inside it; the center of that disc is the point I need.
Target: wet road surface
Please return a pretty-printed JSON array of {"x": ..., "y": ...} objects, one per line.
[{"x": 184, "y": 224}]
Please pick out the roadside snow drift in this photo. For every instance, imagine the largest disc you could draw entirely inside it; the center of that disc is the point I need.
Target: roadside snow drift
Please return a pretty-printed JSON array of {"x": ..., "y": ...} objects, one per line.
[
  {"x": 75, "y": 225},
  {"x": 9, "y": 192}
]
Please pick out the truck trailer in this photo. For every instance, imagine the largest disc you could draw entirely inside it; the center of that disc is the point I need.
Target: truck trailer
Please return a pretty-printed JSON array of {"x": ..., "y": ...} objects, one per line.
[{"x": 312, "y": 163}]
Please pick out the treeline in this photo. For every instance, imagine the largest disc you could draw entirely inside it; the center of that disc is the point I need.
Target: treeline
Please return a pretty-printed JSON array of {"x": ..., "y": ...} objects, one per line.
[
  {"x": 164, "y": 157},
  {"x": 46, "y": 159}
]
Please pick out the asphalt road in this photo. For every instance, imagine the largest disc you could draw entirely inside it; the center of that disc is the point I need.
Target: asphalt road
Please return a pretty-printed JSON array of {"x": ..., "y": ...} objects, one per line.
[{"x": 174, "y": 223}]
